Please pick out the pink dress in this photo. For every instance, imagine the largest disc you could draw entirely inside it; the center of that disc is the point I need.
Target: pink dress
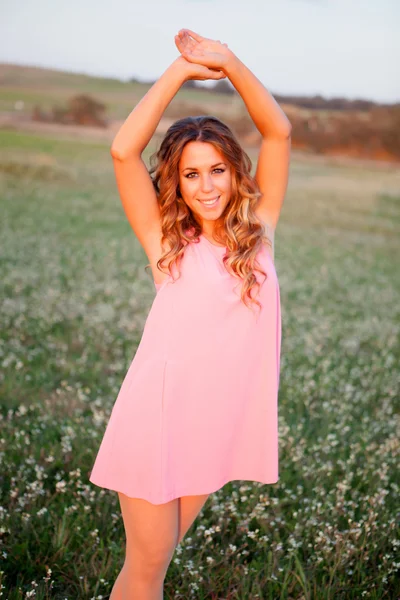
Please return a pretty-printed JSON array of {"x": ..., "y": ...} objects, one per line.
[{"x": 199, "y": 404}]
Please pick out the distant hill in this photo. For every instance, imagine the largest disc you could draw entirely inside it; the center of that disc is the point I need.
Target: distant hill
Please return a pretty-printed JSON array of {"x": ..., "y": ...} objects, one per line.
[{"x": 360, "y": 128}]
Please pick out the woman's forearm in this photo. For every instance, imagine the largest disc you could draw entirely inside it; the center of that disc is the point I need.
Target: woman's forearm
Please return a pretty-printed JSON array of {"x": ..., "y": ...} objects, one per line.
[
  {"x": 266, "y": 113},
  {"x": 139, "y": 127}
]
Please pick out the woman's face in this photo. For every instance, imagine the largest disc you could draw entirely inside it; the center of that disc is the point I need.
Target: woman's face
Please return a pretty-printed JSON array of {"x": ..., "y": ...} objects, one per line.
[{"x": 204, "y": 176}]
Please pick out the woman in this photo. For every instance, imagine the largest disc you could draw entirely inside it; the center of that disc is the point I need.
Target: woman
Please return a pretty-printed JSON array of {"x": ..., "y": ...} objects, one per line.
[{"x": 198, "y": 405}]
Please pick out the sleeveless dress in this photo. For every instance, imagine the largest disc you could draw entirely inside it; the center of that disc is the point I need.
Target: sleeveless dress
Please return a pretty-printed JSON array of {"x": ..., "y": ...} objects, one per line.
[{"x": 199, "y": 404}]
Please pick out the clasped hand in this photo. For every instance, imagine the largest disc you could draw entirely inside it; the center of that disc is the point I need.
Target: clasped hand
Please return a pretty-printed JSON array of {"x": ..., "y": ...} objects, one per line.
[{"x": 209, "y": 59}]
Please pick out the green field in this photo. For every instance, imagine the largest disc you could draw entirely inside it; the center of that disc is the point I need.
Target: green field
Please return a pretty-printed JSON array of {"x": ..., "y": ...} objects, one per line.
[{"x": 75, "y": 297}]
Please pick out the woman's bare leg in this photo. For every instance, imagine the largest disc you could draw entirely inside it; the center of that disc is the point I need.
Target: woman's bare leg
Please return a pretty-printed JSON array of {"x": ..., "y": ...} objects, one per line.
[
  {"x": 151, "y": 538},
  {"x": 189, "y": 508},
  {"x": 116, "y": 592}
]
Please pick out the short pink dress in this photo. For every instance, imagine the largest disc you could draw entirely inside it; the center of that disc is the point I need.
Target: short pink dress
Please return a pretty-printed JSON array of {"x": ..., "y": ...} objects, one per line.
[{"x": 199, "y": 404}]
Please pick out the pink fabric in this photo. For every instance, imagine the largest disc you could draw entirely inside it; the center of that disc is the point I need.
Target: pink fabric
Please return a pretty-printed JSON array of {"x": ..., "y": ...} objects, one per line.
[{"x": 199, "y": 404}]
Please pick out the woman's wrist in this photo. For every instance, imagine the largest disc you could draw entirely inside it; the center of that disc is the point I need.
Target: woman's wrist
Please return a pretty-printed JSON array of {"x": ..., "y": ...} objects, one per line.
[
  {"x": 181, "y": 68},
  {"x": 232, "y": 64}
]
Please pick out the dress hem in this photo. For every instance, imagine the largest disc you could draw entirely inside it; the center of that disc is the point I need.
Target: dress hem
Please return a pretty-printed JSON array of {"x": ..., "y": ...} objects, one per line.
[{"x": 175, "y": 495}]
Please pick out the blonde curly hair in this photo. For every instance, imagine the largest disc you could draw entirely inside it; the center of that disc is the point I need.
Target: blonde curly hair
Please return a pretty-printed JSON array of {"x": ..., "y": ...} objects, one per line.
[{"x": 240, "y": 230}]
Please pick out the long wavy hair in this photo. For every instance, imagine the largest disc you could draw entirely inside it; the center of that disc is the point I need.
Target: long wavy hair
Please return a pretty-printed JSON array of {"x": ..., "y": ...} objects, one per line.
[{"x": 239, "y": 228}]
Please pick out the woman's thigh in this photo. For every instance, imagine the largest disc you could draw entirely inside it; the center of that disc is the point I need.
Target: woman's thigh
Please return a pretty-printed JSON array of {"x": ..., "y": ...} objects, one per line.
[
  {"x": 151, "y": 532},
  {"x": 189, "y": 509}
]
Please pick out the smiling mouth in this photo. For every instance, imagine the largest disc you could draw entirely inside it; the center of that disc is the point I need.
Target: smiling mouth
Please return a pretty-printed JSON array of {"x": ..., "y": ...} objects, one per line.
[{"x": 211, "y": 202}]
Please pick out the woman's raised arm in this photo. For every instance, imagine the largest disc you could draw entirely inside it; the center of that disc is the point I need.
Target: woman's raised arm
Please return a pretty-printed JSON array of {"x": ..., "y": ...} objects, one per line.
[
  {"x": 272, "y": 171},
  {"x": 135, "y": 186},
  {"x": 138, "y": 129},
  {"x": 273, "y": 161}
]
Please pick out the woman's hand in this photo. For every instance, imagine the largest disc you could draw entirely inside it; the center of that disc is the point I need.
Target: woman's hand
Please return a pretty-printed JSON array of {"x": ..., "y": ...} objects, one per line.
[
  {"x": 203, "y": 51},
  {"x": 196, "y": 71}
]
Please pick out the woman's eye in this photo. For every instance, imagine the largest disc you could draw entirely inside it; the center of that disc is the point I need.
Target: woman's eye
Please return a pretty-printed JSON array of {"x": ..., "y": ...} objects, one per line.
[{"x": 193, "y": 173}]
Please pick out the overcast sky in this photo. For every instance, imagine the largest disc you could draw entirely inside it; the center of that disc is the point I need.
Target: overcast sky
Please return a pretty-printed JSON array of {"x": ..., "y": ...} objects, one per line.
[{"x": 346, "y": 48}]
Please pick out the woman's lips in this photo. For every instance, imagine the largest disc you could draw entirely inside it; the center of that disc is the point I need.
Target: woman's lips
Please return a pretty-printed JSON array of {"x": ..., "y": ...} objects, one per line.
[{"x": 210, "y": 205}]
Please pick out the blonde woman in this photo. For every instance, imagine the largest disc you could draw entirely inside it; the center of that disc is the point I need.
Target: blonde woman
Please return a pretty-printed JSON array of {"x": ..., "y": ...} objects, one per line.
[{"x": 198, "y": 406}]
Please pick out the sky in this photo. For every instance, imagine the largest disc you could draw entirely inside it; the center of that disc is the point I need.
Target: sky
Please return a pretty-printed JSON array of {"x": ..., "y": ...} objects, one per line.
[{"x": 335, "y": 48}]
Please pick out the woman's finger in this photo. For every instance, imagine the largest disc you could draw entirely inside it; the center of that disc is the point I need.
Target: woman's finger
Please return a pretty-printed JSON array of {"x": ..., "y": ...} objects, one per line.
[
  {"x": 183, "y": 46},
  {"x": 178, "y": 42},
  {"x": 202, "y": 72},
  {"x": 218, "y": 75},
  {"x": 188, "y": 42},
  {"x": 194, "y": 35},
  {"x": 192, "y": 57}
]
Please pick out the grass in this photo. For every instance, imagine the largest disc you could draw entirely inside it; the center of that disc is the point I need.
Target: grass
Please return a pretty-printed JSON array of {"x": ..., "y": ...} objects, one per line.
[{"x": 75, "y": 298}]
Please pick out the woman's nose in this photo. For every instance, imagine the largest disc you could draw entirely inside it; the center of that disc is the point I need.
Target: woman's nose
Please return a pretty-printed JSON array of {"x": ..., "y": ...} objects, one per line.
[{"x": 206, "y": 184}]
